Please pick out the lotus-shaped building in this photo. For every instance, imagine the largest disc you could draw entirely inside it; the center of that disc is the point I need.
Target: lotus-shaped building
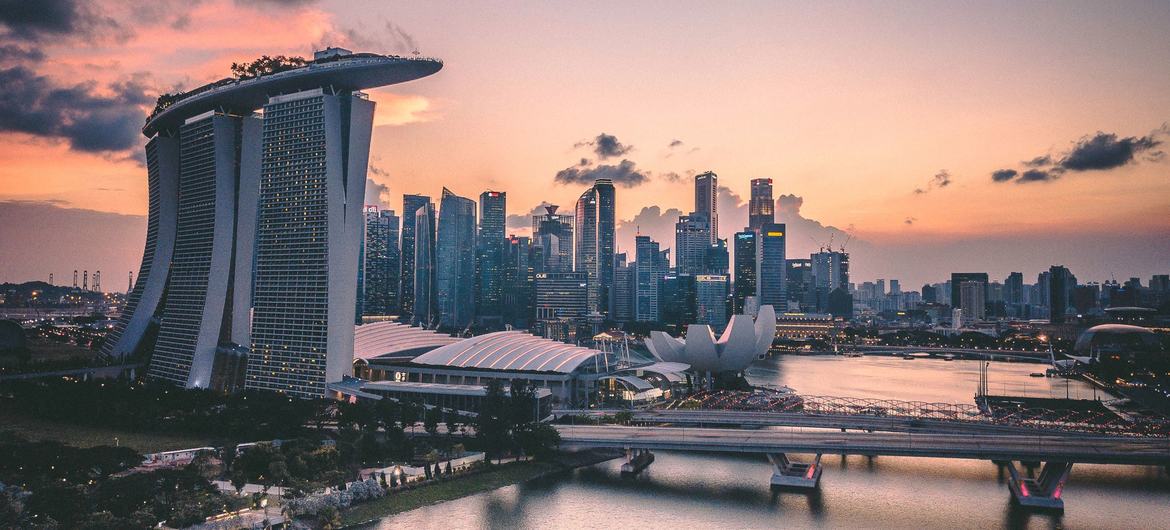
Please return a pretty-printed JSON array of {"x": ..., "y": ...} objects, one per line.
[{"x": 741, "y": 343}]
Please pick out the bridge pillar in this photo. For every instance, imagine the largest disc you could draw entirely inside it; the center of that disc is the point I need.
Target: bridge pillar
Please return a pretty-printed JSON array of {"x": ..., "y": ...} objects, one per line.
[
  {"x": 1043, "y": 492},
  {"x": 637, "y": 460},
  {"x": 789, "y": 474}
]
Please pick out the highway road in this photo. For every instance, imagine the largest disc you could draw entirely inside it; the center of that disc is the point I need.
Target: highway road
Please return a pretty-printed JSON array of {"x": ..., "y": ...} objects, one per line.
[
  {"x": 748, "y": 419},
  {"x": 1080, "y": 449}
]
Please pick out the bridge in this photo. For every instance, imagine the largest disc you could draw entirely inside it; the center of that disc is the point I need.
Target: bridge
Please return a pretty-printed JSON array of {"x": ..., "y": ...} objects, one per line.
[
  {"x": 757, "y": 420},
  {"x": 1058, "y": 451}
]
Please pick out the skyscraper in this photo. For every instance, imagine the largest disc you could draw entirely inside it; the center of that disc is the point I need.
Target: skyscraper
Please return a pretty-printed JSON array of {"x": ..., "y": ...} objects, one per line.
[
  {"x": 718, "y": 260},
  {"x": 588, "y": 251},
  {"x": 746, "y": 244},
  {"x": 830, "y": 270},
  {"x": 648, "y": 277},
  {"x": 957, "y": 278},
  {"x": 711, "y": 300},
  {"x": 425, "y": 311},
  {"x": 606, "y": 240},
  {"x": 519, "y": 282},
  {"x": 1061, "y": 283},
  {"x": 308, "y": 240},
  {"x": 707, "y": 200},
  {"x": 971, "y": 294},
  {"x": 143, "y": 303},
  {"x": 771, "y": 266},
  {"x": 761, "y": 206},
  {"x": 692, "y": 238},
  {"x": 258, "y": 217},
  {"x": 1013, "y": 294},
  {"x": 455, "y": 260},
  {"x": 623, "y": 290},
  {"x": 800, "y": 284},
  {"x": 410, "y": 205},
  {"x": 381, "y": 262},
  {"x": 553, "y": 234},
  {"x": 218, "y": 165},
  {"x": 490, "y": 258},
  {"x": 677, "y": 300}
]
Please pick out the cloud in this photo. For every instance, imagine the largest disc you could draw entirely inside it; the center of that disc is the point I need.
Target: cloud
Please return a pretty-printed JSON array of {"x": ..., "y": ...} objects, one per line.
[
  {"x": 789, "y": 204},
  {"x": 910, "y": 220},
  {"x": 1003, "y": 175},
  {"x": 11, "y": 53},
  {"x": 1040, "y": 161},
  {"x": 605, "y": 146},
  {"x": 808, "y": 235},
  {"x": 675, "y": 143},
  {"x": 377, "y": 193},
  {"x": 402, "y": 109},
  {"x": 653, "y": 221},
  {"x": 1106, "y": 151},
  {"x": 624, "y": 174},
  {"x": 522, "y": 222},
  {"x": 940, "y": 180},
  {"x": 44, "y": 20},
  {"x": 282, "y": 3},
  {"x": 1038, "y": 175},
  {"x": 33, "y": 104},
  {"x": 1100, "y": 152}
]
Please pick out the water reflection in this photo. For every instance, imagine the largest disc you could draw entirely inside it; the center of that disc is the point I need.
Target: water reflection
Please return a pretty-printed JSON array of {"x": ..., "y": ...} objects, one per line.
[{"x": 731, "y": 491}]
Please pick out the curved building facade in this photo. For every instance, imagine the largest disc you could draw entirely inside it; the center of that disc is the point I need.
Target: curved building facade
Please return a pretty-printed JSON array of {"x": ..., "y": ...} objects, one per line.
[
  {"x": 255, "y": 224},
  {"x": 741, "y": 343}
]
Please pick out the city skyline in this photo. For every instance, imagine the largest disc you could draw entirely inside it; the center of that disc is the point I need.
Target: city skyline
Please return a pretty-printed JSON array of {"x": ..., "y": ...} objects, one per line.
[{"x": 914, "y": 185}]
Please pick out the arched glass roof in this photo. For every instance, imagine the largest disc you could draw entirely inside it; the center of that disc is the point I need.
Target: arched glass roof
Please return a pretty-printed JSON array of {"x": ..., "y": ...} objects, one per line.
[
  {"x": 390, "y": 339},
  {"x": 511, "y": 350}
]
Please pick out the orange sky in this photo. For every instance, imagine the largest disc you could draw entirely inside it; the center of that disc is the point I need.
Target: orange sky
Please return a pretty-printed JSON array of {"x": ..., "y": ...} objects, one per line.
[{"x": 852, "y": 108}]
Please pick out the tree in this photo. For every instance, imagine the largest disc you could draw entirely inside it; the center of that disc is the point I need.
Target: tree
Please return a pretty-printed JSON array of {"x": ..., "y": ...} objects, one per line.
[
  {"x": 452, "y": 419},
  {"x": 411, "y": 412},
  {"x": 278, "y": 472},
  {"x": 329, "y": 518},
  {"x": 539, "y": 440},
  {"x": 492, "y": 425},
  {"x": 431, "y": 420}
]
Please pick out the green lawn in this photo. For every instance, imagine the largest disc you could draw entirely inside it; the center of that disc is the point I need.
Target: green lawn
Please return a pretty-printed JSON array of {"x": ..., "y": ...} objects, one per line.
[
  {"x": 446, "y": 490},
  {"x": 84, "y": 436}
]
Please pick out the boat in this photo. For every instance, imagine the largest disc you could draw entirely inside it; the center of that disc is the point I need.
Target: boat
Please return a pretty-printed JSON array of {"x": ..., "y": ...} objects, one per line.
[{"x": 1036, "y": 374}]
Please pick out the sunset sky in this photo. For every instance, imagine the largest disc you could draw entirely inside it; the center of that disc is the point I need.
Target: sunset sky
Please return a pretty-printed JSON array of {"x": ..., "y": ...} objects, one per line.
[{"x": 984, "y": 136}]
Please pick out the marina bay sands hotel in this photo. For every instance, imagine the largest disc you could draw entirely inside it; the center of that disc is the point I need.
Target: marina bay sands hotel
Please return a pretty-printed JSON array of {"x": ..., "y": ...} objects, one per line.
[{"x": 257, "y": 188}]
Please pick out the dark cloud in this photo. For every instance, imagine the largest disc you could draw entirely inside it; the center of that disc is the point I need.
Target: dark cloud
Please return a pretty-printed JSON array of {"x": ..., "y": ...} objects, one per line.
[
  {"x": 281, "y": 3},
  {"x": 181, "y": 22},
  {"x": 671, "y": 176},
  {"x": 33, "y": 104},
  {"x": 521, "y": 222},
  {"x": 1038, "y": 175},
  {"x": 1003, "y": 175},
  {"x": 606, "y": 146},
  {"x": 1106, "y": 151},
  {"x": 39, "y": 20},
  {"x": 1099, "y": 152},
  {"x": 675, "y": 143},
  {"x": 910, "y": 220},
  {"x": 1040, "y": 161},
  {"x": 623, "y": 174},
  {"x": 11, "y": 53},
  {"x": 940, "y": 180}
]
